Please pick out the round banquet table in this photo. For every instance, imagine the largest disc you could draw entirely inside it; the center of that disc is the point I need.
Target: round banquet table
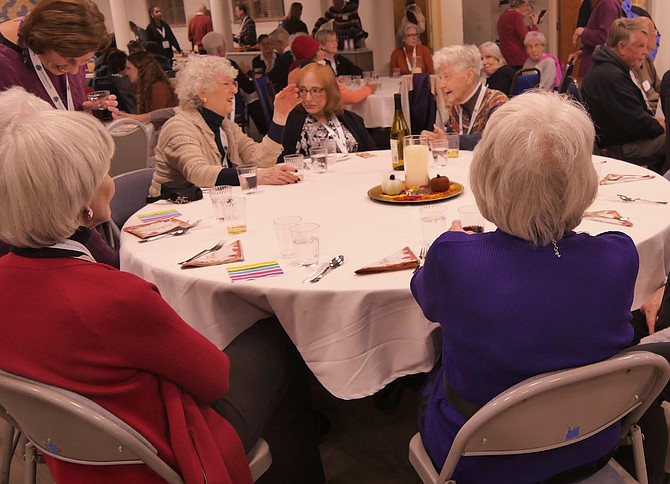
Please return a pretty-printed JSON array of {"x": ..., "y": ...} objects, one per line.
[{"x": 355, "y": 332}]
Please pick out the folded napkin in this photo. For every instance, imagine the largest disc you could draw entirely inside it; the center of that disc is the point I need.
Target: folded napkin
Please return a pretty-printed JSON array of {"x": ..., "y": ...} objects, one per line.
[
  {"x": 616, "y": 178},
  {"x": 254, "y": 271},
  {"x": 156, "y": 228},
  {"x": 231, "y": 252},
  {"x": 398, "y": 261},
  {"x": 608, "y": 217}
]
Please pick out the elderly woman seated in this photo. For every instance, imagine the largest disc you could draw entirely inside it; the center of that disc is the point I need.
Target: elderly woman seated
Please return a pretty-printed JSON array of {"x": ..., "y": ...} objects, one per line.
[
  {"x": 83, "y": 326},
  {"x": 411, "y": 57},
  {"x": 320, "y": 116},
  {"x": 514, "y": 297},
  {"x": 547, "y": 64},
  {"x": 469, "y": 101},
  {"x": 200, "y": 145},
  {"x": 499, "y": 75}
]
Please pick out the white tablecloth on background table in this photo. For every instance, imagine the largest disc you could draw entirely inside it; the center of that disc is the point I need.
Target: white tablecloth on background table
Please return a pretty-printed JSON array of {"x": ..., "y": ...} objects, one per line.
[
  {"x": 356, "y": 333},
  {"x": 377, "y": 109}
]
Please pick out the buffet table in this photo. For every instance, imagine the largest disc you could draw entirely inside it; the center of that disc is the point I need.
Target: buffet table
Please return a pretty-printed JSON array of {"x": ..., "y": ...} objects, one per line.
[{"x": 355, "y": 332}]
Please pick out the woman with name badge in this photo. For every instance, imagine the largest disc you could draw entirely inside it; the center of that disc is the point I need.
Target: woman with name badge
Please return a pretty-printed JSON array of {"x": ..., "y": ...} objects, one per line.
[{"x": 411, "y": 57}]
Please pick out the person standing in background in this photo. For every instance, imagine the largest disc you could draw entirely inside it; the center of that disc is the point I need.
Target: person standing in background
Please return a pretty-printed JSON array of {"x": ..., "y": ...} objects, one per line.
[
  {"x": 138, "y": 32},
  {"x": 161, "y": 33},
  {"x": 346, "y": 21},
  {"x": 292, "y": 22},
  {"x": 512, "y": 30},
  {"x": 199, "y": 25},
  {"x": 247, "y": 34}
]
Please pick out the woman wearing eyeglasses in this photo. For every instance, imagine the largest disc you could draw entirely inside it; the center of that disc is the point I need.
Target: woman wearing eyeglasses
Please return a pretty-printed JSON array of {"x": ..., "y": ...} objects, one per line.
[
  {"x": 411, "y": 56},
  {"x": 200, "y": 145},
  {"x": 320, "y": 116}
]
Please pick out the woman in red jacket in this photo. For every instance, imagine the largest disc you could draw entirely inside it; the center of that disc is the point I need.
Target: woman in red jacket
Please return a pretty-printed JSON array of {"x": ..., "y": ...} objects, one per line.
[
  {"x": 108, "y": 335},
  {"x": 512, "y": 29}
]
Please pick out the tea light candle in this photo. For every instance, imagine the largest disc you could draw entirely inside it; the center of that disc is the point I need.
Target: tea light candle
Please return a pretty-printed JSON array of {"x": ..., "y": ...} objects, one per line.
[{"x": 416, "y": 165}]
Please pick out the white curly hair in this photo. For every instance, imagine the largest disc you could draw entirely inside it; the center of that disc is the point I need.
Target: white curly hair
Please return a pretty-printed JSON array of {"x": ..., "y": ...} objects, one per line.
[{"x": 199, "y": 75}]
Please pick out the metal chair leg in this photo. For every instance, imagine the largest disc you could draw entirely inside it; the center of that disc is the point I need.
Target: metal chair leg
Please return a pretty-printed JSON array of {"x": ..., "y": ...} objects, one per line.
[
  {"x": 638, "y": 455},
  {"x": 31, "y": 464},
  {"x": 8, "y": 453}
]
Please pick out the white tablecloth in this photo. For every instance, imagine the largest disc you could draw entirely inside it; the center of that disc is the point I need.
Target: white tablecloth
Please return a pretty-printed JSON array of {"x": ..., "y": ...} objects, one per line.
[
  {"x": 377, "y": 109},
  {"x": 356, "y": 333}
]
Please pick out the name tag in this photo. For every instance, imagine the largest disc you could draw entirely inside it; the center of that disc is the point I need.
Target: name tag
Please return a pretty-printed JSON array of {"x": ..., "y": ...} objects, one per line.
[
  {"x": 166, "y": 44},
  {"x": 646, "y": 86}
]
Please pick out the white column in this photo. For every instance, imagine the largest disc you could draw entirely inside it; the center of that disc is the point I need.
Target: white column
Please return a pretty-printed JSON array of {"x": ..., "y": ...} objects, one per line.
[
  {"x": 221, "y": 20},
  {"x": 120, "y": 22}
]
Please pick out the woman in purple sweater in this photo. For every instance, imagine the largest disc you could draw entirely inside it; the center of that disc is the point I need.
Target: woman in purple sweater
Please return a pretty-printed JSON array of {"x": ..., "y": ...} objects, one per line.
[{"x": 531, "y": 297}]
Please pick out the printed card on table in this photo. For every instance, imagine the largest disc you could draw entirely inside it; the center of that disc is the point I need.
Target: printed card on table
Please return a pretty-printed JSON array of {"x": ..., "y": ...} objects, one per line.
[
  {"x": 398, "y": 261},
  {"x": 160, "y": 215},
  {"x": 156, "y": 228},
  {"x": 254, "y": 271}
]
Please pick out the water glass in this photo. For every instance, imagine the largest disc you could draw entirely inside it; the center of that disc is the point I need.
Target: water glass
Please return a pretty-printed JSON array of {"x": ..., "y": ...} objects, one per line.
[
  {"x": 356, "y": 81},
  {"x": 440, "y": 148},
  {"x": 248, "y": 177},
  {"x": 454, "y": 142},
  {"x": 282, "y": 226},
  {"x": 331, "y": 146},
  {"x": 305, "y": 238},
  {"x": 100, "y": 110},
  {"x": 367, "y": 75},
  {"x": 235, "y": 215},
  {"x": 395, "y": 72},
  {"x": 218, "y": 195},
  {"x": 319, "y": 159},
  {"x": 433, "y": 222},
  {"x": 297, "y": 162},
  {"x": 471, "y": 219}
]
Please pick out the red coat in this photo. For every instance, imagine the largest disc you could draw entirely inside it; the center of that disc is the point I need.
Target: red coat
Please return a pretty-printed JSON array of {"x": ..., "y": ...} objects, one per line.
[
  {"x": 512, "y": 29},
  {"x": 198, "y": 26},
  {"x": 109, "y": 336}
]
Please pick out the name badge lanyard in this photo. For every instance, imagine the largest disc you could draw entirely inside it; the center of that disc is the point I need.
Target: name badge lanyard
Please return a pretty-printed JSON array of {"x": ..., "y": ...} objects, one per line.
[
  {"x": 644, "y": 94},
  {"x": 224, "y": 144},
  {"x": 339, "y": 137},
  {"x": 74, "y": 246},
  {"x": 49, "y": 86},
  {"x": 475, "y": 111},
  {"x": 409, "y": 64}
]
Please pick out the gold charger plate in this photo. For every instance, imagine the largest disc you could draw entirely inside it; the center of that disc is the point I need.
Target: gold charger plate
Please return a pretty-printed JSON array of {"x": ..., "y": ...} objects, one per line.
[{"x": 455, "y": 189}]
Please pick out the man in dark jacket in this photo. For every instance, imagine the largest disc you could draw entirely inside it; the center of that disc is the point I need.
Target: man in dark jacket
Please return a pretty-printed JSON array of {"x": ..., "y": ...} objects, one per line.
[
  {"x": 614, "y": 98},
  {"x": 278, "y": 76},
  {"x": 247, "y": 36},
  {"x": 161, "y": 33}
]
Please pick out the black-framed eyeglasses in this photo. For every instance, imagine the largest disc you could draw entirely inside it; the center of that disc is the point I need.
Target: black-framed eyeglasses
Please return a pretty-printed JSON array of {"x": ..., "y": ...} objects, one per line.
[{"x": 314, "y": 91}]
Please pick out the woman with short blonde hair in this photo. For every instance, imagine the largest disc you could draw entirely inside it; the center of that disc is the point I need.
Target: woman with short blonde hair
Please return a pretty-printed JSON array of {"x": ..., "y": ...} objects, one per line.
[
  {"x": 530, "y": 297},
  {"x": 499, "y": 75}
]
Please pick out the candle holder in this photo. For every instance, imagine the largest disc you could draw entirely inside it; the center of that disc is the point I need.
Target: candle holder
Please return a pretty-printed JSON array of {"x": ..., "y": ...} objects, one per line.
[{"x": 417, "y": 155}]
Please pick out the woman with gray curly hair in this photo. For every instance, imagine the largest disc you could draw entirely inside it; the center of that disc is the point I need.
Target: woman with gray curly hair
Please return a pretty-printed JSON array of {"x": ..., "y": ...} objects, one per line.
[
  {"x": 410, "y": 54},
  {"x": 200, "y": 145},
  {"x": 514, "y": 297},
  {"x": 469, "y": 101}
]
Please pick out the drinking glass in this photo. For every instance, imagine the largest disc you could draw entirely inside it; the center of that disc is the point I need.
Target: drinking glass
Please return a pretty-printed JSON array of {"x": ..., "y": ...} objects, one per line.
[
  {"x": 218, "y": 195},
  {"x": 331, "y": 146},
  {"x": 471, "y": 219},
  {"x": 395, "y": 72},
  {"x": 356, "y": 81},
  {"x": 433, "y": 222},
  {"x": 100, "y": 110},
  {"x": 282, "y": 228},
  {"x": 440, "y": 147},
  {"x": 297, "y": 162},
  {"x": 454, "y": 141},
  {"x": 367, "y": 75},
  {"x": 235, "y": 215},
  {"x": 319, "y": 159},
  {"x": 305, "y": 238},
  {"x": 417, "y": 154},
  {"x": 248, "y": 177}
]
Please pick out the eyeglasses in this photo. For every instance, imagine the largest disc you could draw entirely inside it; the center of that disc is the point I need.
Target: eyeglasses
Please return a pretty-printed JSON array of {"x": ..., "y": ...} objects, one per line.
[
  {"x": 411, "y": 35},
  {"x": 314, "y": 91}
]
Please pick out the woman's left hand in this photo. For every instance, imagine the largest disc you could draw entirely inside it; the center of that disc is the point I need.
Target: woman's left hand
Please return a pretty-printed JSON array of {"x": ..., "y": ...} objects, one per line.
[
  {"x": 284, "y": 103},
  {"x": 277, "y": 175},
  {"x": 109, "y": 103}
]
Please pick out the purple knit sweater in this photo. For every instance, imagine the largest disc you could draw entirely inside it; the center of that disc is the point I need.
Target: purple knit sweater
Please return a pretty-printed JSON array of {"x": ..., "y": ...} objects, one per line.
[{"x": 509, "y": 311}]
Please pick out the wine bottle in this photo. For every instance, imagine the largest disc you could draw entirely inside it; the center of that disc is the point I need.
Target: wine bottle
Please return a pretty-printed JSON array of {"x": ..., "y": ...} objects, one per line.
[{"x": 399, "y": 130}]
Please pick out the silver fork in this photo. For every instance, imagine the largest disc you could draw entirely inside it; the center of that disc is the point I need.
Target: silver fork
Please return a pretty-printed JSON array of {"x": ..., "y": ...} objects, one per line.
[
  {"x": 174, "y": 232},
  {"x": 206, "y": 251},
  {"x": 422, "y": 256},
  {"x": 626, "y": 198}
]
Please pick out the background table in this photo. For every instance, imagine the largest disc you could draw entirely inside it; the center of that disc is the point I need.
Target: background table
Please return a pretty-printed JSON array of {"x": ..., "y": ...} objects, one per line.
[{"x": 356, "y": 333}]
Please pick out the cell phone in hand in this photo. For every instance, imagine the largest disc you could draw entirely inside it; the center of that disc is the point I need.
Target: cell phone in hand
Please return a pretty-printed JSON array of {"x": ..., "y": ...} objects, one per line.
[{"x": 542, "y": 14}]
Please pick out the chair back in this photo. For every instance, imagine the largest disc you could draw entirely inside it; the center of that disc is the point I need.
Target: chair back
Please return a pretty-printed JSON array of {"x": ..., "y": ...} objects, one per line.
[
  {"x": 524, "y": 80},
  {"x": 72, "y": 428},
  {"x": 133, "y": 145},
  {"x": 573, "y": 90},
  {"x": 423, "y": 108},
  {"x": 131, "y": 193},
  {"x": 266, "y": 95},
  {"x": 566, "y": 79},
  {"x": 240, "y": 116},
  {"x": 571, "y": 405}
]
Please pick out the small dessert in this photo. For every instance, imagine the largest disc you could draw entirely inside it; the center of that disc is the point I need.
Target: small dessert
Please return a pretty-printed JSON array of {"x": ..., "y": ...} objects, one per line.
[
  {"x": 391, "y": 185},
  {"x": 440, "y": 183}
]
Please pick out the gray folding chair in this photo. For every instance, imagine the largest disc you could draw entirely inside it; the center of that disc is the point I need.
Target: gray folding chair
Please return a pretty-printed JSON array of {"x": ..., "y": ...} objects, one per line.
[
  {"x": 588, "y": 398},
  {"x": 72, "y": 428},
  {"x": 131, "y": 193},
  {"x": 133, "y": 145}
]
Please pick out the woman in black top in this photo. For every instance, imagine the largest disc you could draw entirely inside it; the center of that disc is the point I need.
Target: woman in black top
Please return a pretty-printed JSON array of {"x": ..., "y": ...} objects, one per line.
[
  {"x": 499, "y": 75},
  {"x": 292, "y": 22}
]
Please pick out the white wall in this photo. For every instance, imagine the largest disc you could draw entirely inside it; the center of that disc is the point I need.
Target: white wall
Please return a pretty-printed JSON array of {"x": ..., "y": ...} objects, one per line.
[{"x": 660, "y": 11}]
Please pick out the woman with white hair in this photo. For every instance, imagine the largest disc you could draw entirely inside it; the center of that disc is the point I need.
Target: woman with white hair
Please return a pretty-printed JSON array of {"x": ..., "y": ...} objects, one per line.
[
  {"x": 512, "y": 29},
  {"x": 200, "y": 145},
  {"x": 83, "y": 326},
  {"x": 499, "y": 75},
  {"x": 470, "y": 102},
  {"x": 547, "y": 64},
  {"x": 511, "y": 302},
  {"x": 411, "y": 54}
]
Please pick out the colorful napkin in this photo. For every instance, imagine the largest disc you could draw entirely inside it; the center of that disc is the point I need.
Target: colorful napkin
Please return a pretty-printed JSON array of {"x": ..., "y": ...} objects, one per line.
[
  {"x": 608, "y": 217},
  {"x": 156, "y": 228},
  {"x": 616, "y": 178},
  {"x": 231, "y": 252},
  {"x": 161, "y": 215},
  {"x": 254, "y": 271},
  {"x": 398, "y": 261}
]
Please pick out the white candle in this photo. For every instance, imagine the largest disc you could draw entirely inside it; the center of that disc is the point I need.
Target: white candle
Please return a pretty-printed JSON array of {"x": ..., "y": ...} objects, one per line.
[{"x": 416, "y": 165}]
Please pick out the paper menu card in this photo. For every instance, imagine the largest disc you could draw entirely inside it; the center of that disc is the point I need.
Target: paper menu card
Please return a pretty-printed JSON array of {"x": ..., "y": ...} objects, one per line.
[
  {"x": 398, "y": 261},
  {"x": 231, "y": 252},
  {"x": 158, "y": 227}
]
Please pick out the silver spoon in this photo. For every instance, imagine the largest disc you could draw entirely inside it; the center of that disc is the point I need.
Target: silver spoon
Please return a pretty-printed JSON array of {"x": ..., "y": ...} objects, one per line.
[
  {"x": 175, "y": 232},
  {"x": 334, "y": 263},
  {"x": 626, "y": 198}
]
